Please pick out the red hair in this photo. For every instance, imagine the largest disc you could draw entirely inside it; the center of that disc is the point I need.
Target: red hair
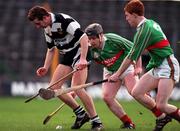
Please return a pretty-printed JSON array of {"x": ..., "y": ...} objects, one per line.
[{"x": 135, "y": 6}]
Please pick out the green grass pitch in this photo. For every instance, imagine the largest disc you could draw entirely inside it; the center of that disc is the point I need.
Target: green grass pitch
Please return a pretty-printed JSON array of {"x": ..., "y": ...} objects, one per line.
[{"x": 15, "y": 115}]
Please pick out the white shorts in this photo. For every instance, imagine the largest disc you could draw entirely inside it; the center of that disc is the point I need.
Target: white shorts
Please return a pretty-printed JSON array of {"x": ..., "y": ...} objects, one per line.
[
  {"x": 130, "y": 69},
  {"x": 168, "y": 69}
]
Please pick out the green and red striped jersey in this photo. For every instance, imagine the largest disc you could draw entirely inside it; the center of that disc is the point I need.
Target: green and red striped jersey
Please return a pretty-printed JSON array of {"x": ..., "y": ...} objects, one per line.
[
  {"x": 150, "y": 36},
  {"x": 115, "y": 49}
]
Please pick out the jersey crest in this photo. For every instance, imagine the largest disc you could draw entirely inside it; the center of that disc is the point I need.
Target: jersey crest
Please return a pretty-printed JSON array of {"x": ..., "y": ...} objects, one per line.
[
  {"x": 59, "y": 30},
  {"x": 96, "y": 55},
  {"x": 110, "y": 61}
]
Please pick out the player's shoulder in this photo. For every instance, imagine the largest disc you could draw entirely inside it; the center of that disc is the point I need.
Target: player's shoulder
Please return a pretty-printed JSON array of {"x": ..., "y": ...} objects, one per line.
[
  {"x": 59, "y": 17},
  {"x": 65, "y": 15},
  {"x": 150, "y": 22},
  {"x": 111, "y": 35}
]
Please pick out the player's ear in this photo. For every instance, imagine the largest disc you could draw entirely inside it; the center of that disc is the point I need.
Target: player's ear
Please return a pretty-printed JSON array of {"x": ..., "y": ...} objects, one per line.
[{"x": 100, "y": 36}]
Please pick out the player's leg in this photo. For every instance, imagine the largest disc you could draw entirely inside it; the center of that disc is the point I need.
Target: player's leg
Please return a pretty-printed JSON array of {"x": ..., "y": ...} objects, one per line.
[
  {"x": 165, "y": 88},
  {"x": 129, "y": 81},
  {"x": 145, "y": 84},
  {"x": 109, "y": 91},
  {"x": 160, "y": 75},
  {"x": 164, "y": 91},
  {"x": 169, "y": 75},
  {"x": 79, "y": 78},
  {"x": 139, "y": 93},
  {"x": 60, "y": 71}
]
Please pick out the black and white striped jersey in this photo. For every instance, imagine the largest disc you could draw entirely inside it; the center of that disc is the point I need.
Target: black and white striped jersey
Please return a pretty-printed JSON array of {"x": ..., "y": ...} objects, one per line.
[{"x": 64, "y": 33}]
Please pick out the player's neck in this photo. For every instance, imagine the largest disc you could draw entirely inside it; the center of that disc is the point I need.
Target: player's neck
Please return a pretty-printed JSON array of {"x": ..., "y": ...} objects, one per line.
[
  {"x": 102, "y": 42},
  {"x": 140, "y": 20}
]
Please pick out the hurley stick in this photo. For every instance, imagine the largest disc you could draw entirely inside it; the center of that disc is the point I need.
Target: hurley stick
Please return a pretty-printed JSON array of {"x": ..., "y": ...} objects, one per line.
[
  {"x": 53, "y": 113},
  {"x": 74, "y": 88},
  {"x": 48, "y": 117},
  {"x": 76, "y": 69}
]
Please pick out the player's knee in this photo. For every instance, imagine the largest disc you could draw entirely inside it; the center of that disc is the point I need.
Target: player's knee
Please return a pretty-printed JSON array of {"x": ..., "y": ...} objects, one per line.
[
  {"x": 130, "y": 92},
  {"x": 81, "y": 93},
  {"x": 108, "y": 99},
  {"x": 134, "y": 93}
]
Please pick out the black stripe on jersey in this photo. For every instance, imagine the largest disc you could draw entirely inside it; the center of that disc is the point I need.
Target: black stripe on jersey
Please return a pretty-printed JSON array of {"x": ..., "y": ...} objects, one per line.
[
  {"x": 77, "y": 35},
  {"x": 64, "y": 21},
  {"x": 50, "y": 45},
  {"x": 64, "y": 24}
]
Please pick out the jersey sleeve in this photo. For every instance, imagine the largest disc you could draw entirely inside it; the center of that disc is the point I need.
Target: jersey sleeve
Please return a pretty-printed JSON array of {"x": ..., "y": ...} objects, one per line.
[
  {"x": 141, "y": 40},
  {"x": 74, "y": 29},
  {"x": 119, "y": 42},
  {"x": 49, "y": 41},
  {"x": 71, "y": 26}
]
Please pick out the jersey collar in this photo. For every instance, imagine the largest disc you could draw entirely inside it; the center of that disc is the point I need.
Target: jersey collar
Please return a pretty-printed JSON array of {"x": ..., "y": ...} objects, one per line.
[
  {"x": 52, "y": 17},
  {"x": 47, "y": 29},
  {"x": 142, "y": 21},
  {"x": 104, "y": 41}
]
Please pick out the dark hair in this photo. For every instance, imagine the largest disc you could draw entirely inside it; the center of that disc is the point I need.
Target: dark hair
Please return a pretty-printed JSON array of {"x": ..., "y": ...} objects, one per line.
[
  {"x": 135, "y": 6},
  {"x": 94, "y": 29},
  {"x": 37, "y": 12}
]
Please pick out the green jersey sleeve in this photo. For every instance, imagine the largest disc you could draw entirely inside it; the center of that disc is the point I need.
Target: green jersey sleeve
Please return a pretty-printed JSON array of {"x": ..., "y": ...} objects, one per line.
[{"x": 141, "y": 40}]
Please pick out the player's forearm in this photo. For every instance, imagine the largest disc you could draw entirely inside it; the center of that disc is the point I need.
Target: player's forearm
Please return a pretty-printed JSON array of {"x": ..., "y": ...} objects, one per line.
[
  {"x": 49, "y": 58},
  {"x": 125, "y": 64},
  {"x": 84, "y": 46},
  {"x": 139, "y": 63}
]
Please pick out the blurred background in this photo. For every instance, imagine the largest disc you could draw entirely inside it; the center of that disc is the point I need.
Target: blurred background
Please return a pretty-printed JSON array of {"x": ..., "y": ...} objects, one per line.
[{"x": 23, "y": 48}]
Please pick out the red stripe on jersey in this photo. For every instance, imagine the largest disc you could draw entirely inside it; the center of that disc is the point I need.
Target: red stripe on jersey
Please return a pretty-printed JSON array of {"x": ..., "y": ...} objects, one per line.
[
  {"x": 110, "y": 61},
  {"x": 160, "y": 44}
]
